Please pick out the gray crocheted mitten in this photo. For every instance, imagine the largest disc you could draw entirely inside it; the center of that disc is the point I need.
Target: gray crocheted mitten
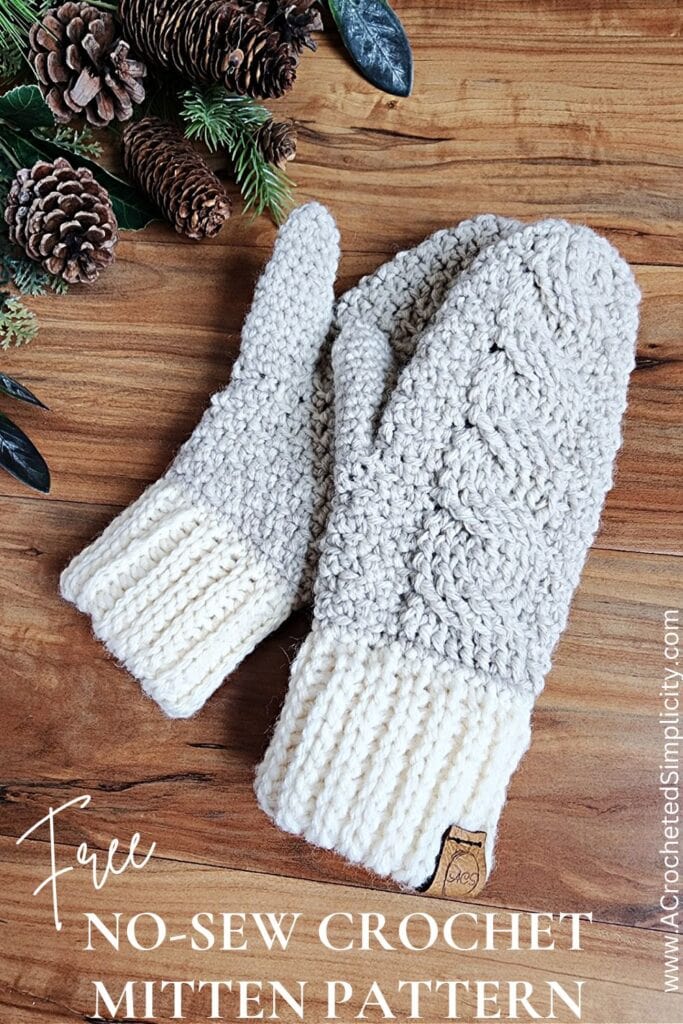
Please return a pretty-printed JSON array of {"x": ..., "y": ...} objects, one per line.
[
  {"x": 464, "y": 506},
  {"x": 214, "y": 556}
]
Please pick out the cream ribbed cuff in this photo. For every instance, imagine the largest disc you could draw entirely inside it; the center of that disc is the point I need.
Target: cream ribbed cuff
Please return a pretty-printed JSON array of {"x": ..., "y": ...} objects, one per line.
[
  {"x": 174, "y": 597},
  {"x": 377, "y": 752}
]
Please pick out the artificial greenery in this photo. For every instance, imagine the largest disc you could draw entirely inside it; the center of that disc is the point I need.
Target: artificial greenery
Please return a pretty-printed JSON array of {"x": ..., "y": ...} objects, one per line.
[
  {"x": 373, "y": 36},
  {"x": 223, "y": 121},
  {"x": 27, "y": 134},
  {"x": 18, "y": 324},
  {"x": 18, "y": 454},
  {"x": 16, "y": 18},
  {"x": 80, "y": 143},
  {"x": 209, "y": 115},
  {"x": 377, "y": 43},
  {"x": 27, "y": 277},
  {"x": 10, "y": 60}
]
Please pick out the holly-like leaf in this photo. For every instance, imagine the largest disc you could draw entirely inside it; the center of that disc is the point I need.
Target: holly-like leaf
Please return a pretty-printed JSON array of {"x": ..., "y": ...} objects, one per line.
[
  {"x": 20, "y": 457},
  {"x": 377, "y": 43},
  {"x": 13, "y": 389},
  {"x": 24, "y": 108},
  {"x": 132, "y": 210}
]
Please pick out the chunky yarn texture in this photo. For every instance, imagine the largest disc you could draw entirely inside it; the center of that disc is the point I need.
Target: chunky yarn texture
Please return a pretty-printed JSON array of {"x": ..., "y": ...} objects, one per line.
[
  {"x": 216, "y": 554},
  {"x": 469, "y": 482},
  {"x": 443, "y": 507}
]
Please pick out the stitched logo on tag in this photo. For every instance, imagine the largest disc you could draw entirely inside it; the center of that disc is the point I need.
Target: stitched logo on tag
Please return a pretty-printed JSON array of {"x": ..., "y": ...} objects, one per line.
[{"x": 461, "y": 870}]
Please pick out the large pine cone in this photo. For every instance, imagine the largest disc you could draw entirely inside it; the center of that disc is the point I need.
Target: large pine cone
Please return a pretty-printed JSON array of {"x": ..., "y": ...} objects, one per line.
[
  {"x": 277, "y": 141},
  {"x": 82, "y": 65},
  {"x": 211, "y": 41},
  {"x": 171, "y": 172},
  {"x": 293, "y": 20},
  {"x": 62, "y": 218}
]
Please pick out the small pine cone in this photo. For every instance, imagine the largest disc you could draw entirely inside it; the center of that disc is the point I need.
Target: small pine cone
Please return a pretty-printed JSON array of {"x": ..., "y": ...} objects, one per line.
[
  {"x": 82, "y": 65},
  {"x": 63, "y": 219},
  {"x": 268, "y": 69},
  {"x": 293, "y": 20},
  {"x": 277, "y": 141},
  {"x": 175, "y": 177},
  {"x": 211, "y": 41}
]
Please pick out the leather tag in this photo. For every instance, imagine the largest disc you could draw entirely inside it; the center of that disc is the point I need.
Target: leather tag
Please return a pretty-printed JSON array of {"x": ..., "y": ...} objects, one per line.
[{"x": 461, "y": 870}]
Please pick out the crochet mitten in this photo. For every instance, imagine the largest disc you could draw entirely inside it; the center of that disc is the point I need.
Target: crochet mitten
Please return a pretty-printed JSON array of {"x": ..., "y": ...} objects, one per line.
[
  {"x": 216, "y": 554},
  {"x": 464, "y": 506}
]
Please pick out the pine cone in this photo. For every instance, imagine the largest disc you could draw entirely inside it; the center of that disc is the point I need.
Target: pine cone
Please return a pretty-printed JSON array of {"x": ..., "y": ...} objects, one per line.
[
  {"x": 293, "y": 20},
  {"x": 82, "y": 65},
  {"x": 62, "y": 218},
  {"x": 171, "y": 172},
  {"x": 211, "y": 41},
  {"x": 277, "y": 141}
]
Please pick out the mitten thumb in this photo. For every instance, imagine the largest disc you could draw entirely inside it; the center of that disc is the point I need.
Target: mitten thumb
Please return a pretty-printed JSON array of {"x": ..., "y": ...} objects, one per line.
[
  {"x": 293, "y": 300},
  {"x": 364, "y": 370}
]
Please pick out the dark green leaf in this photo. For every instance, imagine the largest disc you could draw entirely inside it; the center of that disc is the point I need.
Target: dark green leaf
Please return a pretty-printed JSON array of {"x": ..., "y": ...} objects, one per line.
[
  {"x": 24, "y": 108},
  {"x": 132, "y": 210},
  {"x": 376, "y": 40},
  {"x": 20, "y": 457},
  {"x": 11, "y": 387}
]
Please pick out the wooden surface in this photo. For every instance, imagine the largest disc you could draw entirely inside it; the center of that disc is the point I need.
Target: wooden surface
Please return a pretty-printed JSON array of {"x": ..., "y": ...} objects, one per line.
[{"x": 522, "y": 107}]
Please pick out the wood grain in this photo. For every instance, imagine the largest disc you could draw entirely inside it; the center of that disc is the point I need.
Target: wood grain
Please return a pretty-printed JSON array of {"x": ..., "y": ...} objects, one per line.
[{"x": 529, "y": 108}]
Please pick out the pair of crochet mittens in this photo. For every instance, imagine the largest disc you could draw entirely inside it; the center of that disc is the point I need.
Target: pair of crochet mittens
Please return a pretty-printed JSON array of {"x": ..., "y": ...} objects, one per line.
[{"x": 479, "y": 384}]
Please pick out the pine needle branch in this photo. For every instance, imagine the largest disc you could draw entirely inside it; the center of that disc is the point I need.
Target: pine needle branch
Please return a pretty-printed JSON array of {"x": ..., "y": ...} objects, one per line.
[
  {"x": 263, "y": 186},
  {"x": 220, "y": 120},
  {"x": 214, "y": 116},
  {"x": 16, "y": 17}
]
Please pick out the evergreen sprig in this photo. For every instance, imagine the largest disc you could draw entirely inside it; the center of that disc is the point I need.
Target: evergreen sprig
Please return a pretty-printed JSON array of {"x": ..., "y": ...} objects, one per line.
[
  {"x": 16, "y": 18},
  {"x": 220, "y": 120},
  {"x": 18, "y": 324},
  {"x": 28, "y": 277},
  {"x": 213, "y": 116},
  {"x": 263, "y": 186},
  {"x": 80, "y": 143},
  {"x": 10, "y": 60}
]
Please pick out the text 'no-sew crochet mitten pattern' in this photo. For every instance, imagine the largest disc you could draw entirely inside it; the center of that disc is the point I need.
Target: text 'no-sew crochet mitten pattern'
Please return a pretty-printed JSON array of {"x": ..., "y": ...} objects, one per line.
[
  {"x": 464, "y": 505},
  {"x": 217, "y": 553}
]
